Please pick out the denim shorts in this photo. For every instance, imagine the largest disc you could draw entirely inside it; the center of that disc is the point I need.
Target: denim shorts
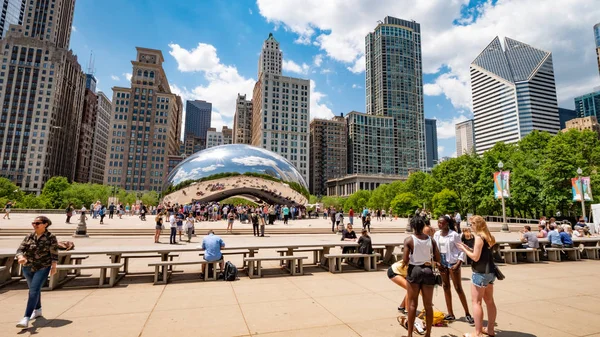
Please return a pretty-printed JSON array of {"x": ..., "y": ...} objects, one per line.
[
  {"x": 482, "y": 280},
  {"x": 445, "y": 261}
]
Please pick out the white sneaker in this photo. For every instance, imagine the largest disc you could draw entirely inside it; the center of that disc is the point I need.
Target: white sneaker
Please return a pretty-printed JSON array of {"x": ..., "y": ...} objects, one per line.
[
  {"x": 24, "y": 323},
  {"x": 36, "y": 314}
]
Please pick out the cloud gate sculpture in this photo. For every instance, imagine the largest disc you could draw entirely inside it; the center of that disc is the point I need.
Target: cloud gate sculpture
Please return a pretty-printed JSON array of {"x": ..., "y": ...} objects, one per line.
[{"x": 232, "y": 170}]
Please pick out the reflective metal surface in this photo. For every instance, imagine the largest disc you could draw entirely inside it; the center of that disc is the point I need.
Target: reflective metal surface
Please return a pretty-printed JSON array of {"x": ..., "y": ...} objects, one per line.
[{"x": 231, "y": 170}]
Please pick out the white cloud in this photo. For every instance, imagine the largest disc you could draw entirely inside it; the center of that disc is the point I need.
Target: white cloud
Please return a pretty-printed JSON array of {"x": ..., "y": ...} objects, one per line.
[
  {"x": 446, "y": 127},
  {"x": 114, "y": 77},
  {"x": 339, "y": 27},
  {"x": 73, "y": 28},
  {"x": 326, "y": 71},
  {"x": 294, "y": 67},
  {"x": 127, "y": 76},
  {"x": 250, "y": 11},
  {"x": 356, "y": 86},
  {"x": 318, "y": 109},
  {"x": 441, "y": 151},
  {"x": 317, "y": 60}
]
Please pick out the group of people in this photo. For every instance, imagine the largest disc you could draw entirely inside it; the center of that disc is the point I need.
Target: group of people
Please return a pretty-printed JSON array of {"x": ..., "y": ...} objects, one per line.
[
  {"x": 435, "y": 258},
  {"x": 101, "y": 210}
]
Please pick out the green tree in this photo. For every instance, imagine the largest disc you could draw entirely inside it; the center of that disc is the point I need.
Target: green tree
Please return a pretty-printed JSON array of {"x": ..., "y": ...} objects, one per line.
[
  {"x": 378, "y": 199},
  {"x": 357, "y": 200},
  {"x": 404, "y": 204},
  {"x": 53, "y": 190},
  {"x": 151, "y": 199},
  {"x": 444, "y": 202}
]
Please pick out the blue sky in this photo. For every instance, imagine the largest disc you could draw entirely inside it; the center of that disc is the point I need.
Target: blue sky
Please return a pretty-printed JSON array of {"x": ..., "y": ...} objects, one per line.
[{"x": 211, "y": 47}]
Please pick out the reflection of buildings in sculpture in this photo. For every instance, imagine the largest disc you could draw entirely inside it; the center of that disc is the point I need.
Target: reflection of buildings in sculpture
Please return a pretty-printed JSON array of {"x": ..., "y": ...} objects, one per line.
[{"x": 236, "y": 169}]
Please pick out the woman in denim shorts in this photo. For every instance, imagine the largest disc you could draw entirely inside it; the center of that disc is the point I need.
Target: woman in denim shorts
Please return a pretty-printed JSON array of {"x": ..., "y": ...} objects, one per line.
[{"x": 483, "y": 277}]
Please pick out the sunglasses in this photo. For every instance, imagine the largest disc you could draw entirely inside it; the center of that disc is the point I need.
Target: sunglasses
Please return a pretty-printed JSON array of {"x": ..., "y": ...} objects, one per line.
[{"x": 37, "y": 223}]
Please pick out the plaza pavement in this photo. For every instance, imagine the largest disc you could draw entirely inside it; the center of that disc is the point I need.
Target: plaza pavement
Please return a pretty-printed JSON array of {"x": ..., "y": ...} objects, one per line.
[{"x": 545, "y": 299}]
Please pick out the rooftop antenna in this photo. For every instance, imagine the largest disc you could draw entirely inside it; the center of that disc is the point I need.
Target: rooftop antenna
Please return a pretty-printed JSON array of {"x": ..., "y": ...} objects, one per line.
[{"x": 90, "y": 69}]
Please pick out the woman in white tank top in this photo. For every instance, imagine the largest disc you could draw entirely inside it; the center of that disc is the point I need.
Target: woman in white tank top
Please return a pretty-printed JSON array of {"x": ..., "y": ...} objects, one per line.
[{"x": 420, "y": 251}]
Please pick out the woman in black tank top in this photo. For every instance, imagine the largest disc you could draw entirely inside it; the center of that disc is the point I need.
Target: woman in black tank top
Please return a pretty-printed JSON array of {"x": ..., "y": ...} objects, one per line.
[{"x": 482, "y": 286}]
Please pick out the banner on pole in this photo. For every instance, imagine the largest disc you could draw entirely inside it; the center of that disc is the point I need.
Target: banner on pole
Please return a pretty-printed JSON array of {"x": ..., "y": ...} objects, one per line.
[
  {"x": 581, "y": 184},
  {"x": 502, "y": 184}
]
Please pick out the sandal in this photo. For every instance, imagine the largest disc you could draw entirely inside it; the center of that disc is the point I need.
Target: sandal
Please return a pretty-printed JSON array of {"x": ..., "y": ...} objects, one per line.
[
  {"x": 403, "y": 321},
  {"x": 485, "y": 332}
]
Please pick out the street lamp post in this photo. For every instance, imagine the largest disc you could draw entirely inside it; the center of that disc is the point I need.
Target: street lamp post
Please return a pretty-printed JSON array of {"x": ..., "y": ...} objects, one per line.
[
  {"x": 579, "y": 173},
  {"x": 504, "y": 223}
]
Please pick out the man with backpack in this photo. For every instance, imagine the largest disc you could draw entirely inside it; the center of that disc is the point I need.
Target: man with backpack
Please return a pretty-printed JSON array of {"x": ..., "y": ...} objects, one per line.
[
  {"x": 254, "y": 218},
  {"x": 212, "y": 244}
]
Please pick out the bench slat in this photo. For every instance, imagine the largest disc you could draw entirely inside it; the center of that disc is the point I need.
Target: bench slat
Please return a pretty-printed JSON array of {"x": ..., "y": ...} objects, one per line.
[
  {"x": 88, "y": 266},
  {"x": 276, "y": 258},
  {"x": 179, "y": 263},
  {"x": 142, "y": 256},
  {"x": 555, "y": 249},
  {"x": 301, "y": 250},
  {"x": 351, "y": 255}
]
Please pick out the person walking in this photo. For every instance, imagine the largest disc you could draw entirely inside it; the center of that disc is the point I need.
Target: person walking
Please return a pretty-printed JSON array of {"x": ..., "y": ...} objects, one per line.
[
  {"x": 189, "y": 226},
  {"x": 351, "y": 216},
  {"x": 69, "y": 213},
  {"x": 255, "y": 220},
  {"x": 173, "y": 223},
  {"x": 38, "y": 256},
  {"x": 179, "y": 220},
  {"x": 332, "y": 214},
  {"x": 483, "y": 277},
  {"x": 420, "y": 253},
  {"x": 102, "y": 213},
  {"x": 7, "y": 208},
  {"x": 452, "y": 258},
  {"x": 158, "y": 228},
  {"x": 111, "y": 210},
  {"x": 286, "y": 214},
  {"x": 230, "y": 220}
]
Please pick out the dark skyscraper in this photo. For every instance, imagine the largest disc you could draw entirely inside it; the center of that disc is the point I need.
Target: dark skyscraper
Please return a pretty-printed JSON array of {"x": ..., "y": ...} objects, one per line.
[
  {"x": 394, "y": 88},
  {"x": 431, "y": 143},
  {"x": 12, "y": 13},
  {"x": 197, "y": 122}
]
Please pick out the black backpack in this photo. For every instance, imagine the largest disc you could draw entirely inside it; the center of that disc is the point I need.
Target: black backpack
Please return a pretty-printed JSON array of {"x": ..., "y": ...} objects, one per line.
[{"x": 231, "y": 272}]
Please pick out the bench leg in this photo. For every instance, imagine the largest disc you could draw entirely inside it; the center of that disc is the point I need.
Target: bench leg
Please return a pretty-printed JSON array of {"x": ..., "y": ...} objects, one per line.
[
  {"x": 509, "y": 258},
  {"x": 332, "y": 264},
  {"x": 114, "y": 272},
  {"x": 554, "y": 255},
  {"x": 78, "y": 271},
  {"x": 53, "y": 281},
  {"x": 316, "y": 257},
  {"x": 367, "y": 263},
  {"x": 165, "y": 274},
  {"x": 530, "y": 257},
  {"x": 156, "y": 272},
  {"x": 300, "y": 267},
  {"x": 292, "y": 267},
  {"x": 339, "y": 264},
  {"x": 102, "y": 276},
  {"x": 125, "y": 265},
  {"x": 250, "y": 269}
]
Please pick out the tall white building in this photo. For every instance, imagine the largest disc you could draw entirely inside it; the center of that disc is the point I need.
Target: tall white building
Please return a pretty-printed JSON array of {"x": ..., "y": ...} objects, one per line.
[
  {"x": 465, "y": 137},
  {"x": 281, "y": 110},
  {"x": 216, "y": 138},
  {"x": 270, "y": 60},
  {"x": 513, "y": 92}
]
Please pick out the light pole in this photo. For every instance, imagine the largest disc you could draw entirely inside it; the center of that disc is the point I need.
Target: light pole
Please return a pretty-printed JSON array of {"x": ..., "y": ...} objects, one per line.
[
  {"x": 504, "y": 223},
  {"x": 579, "y": 173}
]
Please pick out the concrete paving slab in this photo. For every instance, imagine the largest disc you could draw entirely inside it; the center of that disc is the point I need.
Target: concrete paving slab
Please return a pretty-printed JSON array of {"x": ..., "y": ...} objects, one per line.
[
  {"x": 196, "y": 298},
  {"x": 102, "y": 303},
  {"x": 267, "y": 292},
  {"x": 352, "y": 307},
  {"x": 329, "y": 331},
  {"x": 286, "y": 315}
]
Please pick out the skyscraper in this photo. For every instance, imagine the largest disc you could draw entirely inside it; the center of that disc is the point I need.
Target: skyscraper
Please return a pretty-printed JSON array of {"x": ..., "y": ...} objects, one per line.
[
  {"x": 270, "y": 58},
  {"x": 465, "y": 137},
  {"x": 513, "y": 93},
  {"x": 39, "y": 129},
  {"x": 281, "y": 110},
  {"x": 86, "y": 131},
  {"x": 597, "y": 38},
  {"x": 328, "y": 152},
  {"x": 100, "y": 144},
  {"x": 431, "y": 143},
  {"x": 394, "y": 88},
  {"x": 216, "y": 138},
  {"x": 565, "y": 115},
  {"x": 145, "y": 126},
  {"x": 197, "y": 118},
  {"x": 588, "y": 105},
  {"x": 242, "y": 121},
  {"x": 12, "y": 14},
  {"x": 371, "y": 141}
]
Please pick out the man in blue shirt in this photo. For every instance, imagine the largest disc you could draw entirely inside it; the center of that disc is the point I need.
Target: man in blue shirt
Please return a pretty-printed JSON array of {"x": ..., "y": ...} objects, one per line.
[
  {"x": 554, "y": 238},
  {"x": 565, "y": 238},
  {"x": 212, "y": 245}
]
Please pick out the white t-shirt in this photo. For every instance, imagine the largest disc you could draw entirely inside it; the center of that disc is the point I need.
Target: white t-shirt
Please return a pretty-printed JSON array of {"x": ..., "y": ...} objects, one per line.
[
  {"x": 443, "y": 244},
  {"x": 172, "y": 221}
]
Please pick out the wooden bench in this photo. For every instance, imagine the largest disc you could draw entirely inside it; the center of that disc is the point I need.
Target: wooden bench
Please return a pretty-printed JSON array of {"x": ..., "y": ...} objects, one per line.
[
  {"x": 114, "y": 271},
  {"x": 317, "y": 251},
  {"x": 510, "y": 254},
  {"x": 592, "y": 252},
  {"x": 554, "y": 253},
  {"x": 335, "y": 261},
  {"x": 126, "y": 258},
  {"x": 162, "y": 273},
  {"x": 255, "y": 269}
]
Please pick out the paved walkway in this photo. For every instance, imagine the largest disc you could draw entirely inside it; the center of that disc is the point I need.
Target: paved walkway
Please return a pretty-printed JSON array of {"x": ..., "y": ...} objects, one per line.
[{"x": 547, "y": 299}]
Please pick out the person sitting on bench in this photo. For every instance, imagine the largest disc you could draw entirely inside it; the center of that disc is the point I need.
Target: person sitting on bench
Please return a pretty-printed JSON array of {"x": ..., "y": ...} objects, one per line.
[
  {"x": 565, "y": 238},
  {"x": 212, "y": 245}
]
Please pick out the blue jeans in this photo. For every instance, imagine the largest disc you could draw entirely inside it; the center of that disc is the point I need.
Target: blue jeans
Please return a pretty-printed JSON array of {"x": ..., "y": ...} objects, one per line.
[
  {"x": 173, "y": 235},
  {"x": 35, "y": 281}
]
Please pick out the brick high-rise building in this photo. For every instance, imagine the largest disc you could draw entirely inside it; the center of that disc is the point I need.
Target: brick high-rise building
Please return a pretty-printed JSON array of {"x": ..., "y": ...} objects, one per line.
[
  {"x": 145, "y": 126},
  {"x": 86, "y": 132},
  {"x": 328, "y": 152},
  {"x": 100, "y": 146},
  {"x": 242, "y": 121},
  {"x": 42, "y": 90},
  {"x": 280, "y": 122}
]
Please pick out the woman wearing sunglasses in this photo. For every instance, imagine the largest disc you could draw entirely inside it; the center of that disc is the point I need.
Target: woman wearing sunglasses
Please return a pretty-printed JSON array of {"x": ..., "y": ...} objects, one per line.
[{"x": 38, "y": 254}]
